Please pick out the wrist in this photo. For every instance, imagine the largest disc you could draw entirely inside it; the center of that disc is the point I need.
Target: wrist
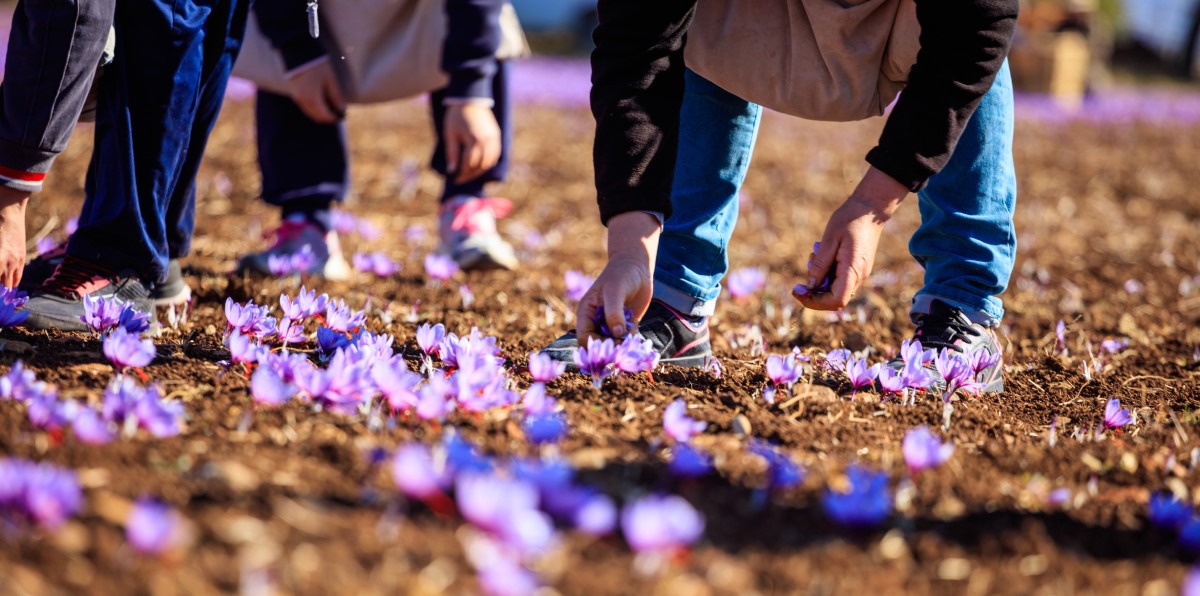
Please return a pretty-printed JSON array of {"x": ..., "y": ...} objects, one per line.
[
  {"x": 12, "y": 200},
  {"x": 634, "y": 235},
  {"x": 880, "y": 193}
]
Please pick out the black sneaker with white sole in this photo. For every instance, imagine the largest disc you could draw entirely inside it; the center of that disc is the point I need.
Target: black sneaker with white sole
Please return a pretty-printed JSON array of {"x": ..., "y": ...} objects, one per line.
[
  {"x": 948, "y": 328},
  {"x": 680, "y": 340},
  {"x": 173, "y": 292},
  {"x": 58, "y": 304}
]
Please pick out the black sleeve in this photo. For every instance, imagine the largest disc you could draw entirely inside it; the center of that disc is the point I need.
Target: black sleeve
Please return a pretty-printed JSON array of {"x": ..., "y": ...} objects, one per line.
[
  {"x": 637, "y": 90},
  {"x": 469, "y": 52},
  {"x": 285, "y": 24},
  {"x": 963, "y": 45}
]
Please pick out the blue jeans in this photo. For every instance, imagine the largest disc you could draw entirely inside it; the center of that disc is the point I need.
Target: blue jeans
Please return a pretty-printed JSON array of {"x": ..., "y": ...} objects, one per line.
[
  {"x": 966, "y": 242},
  {"x": 158, "y": 101},
  {"x": 305, "y": 164}
]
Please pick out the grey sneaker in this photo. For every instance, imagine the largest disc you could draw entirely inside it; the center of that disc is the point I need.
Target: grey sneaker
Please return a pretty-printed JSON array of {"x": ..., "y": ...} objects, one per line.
[
  {"x": 301, "y": 247},
  {"x": 173, "y": 292},
  {"x": 680, "y": 340},
  {"x": 467, "y": 230},
  {"x": 59, "y": 302},
  {"x": 948, "y": 328}
]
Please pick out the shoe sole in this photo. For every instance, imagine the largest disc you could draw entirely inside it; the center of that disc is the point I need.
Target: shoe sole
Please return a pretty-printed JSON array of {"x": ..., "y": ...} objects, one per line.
[{"x": 484, "y": 261}]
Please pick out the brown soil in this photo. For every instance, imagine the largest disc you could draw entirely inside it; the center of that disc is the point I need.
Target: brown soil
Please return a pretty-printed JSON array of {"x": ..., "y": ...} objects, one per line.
[{"x": 291, "y": 500}]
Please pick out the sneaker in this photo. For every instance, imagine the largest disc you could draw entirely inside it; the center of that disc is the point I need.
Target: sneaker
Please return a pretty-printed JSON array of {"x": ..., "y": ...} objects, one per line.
[
  {"x": 948, "y": 328},
  {"x": 467, "y": 229},
  {"x": 679, "y": 339},
  {"x": 173, "y": 292},
  {"x": 296, "y": 236},
  {"x": 59, "y": 302}
]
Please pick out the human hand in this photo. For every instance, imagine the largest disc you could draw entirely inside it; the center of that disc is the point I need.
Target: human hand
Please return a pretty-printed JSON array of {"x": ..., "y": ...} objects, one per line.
[
  {"x": 316, "y": 90},
  {"x": 12, "y": 236},
  {"x": 627, "y": 279},
  {"x": 472, "y": 140},
  {"x": 851, "y": 238}
]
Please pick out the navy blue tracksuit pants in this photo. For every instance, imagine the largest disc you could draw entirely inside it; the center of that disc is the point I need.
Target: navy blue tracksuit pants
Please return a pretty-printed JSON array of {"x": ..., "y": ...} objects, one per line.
[
  {"x": 157, "y": 104},
  {"x": 305, "y": 165}
]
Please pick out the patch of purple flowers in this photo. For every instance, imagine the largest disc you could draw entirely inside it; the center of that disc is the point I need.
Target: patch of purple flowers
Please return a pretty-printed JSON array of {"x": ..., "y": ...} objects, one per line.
[
  {"x": 128, "y": 350},
  {"x": 866, "y": 504},
  {"x": 377, "y": 263},
  {"x": 39, "y": 493},
  {"x": 661, "y": 524}
]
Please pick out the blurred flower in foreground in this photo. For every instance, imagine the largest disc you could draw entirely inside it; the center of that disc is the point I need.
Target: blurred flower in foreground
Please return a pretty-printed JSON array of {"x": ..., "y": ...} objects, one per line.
[
  {"x": 41, "y": 493},
  {"x": 546, "y": 428},
  {"x": 544, "y": 369},
  {"x": 689, "y": 462},
  {"x": 661, "y": 524},
  {"x": 1191, "y": 583},
  {"x": 867, "y": 503},
  {"x": 440, "y": 267},
  {"x": 151, "y": 526},
  {"x": 416, "y": 473},
  {"x": 782, "y": 472},
  {"x": 923, "y": 450},
  {"x": 578, "y": 284},
  {"x": 679, "y": 425},
  {"x": 1168, "y": 512},
  {"x": 635, "y": 355},
  {"x": 1114, "y": 415},
  {"x": 126, "y": 350},
  {"x": 745, "y": 281}
]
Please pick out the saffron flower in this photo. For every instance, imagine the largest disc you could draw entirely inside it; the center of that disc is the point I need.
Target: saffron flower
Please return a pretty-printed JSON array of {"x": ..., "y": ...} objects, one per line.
[
  {"x": 10, "y": 316},
  {"x": 784, "y": 371},
  {"x": 923, "y": 450},
  {"x": 330, "y": 341},
  {"x": 1112, "y": 346},
  {"x": 340, "y": 317},
  {"x": 151, "y": 526},
  {"x": 957, "y": 372},
  {"x": 20, "y": 383},
  {"x": 1168, "y": 512},
  {"x": 916, "y": 377},
  {"x": 546, "y": 428},
  {"x": 17, "y": 298},
  {"x": 661, "y": 524},
  {"x": 578, "y": 284},
  {"x": 543, "y": 368},
  {"x": 91, "y": 428},
  {"x": 678, "y": 425},
  {"x": 268, "y": 388},
  {"x": 1060, "y": 338},
  {"x": 440, "y": 267},
  {"x": 636, "y": 355},
  {"x": 40, "y": 493},
  {"x": 865, "y": 505},
  {"x": 129, "y": 405},
  {"x": 435, "y": 400},
  {"x": 507, "y": 509},
  {"x": 1115, "y": 416},
  {"x": 981, "y": 360},
  {"x": 244, "y": 349},
  {"x": 689, "y": 462},
  {"x": 860, "y": 375},
  {"x": 536, "y": 402},
  {"x": 126, "y": 350},
  {"x": 713, "y": 367},
  {"x": 430, "y": 338},
  {"x": 891, "y": 380},
  {"x": 397, "y": 383},
  {"x": 600, "y": 320},
  {"x": 596, "y": 359},
  {"x": 782, "y": 472},
  {"x": 249, "y": 319},
  {"x": 45, "y": 245},
  {"x": 133, "y": 320},
  {"x": 101, "y": 314},
  {"x": 836, "y": 360},
  {"x": 744, "y": 282},
  {"x": 416, "y": 473},
  {"x": 377, "y": 263},
  {"x": 596, "y": 516},
  {"x": 911, "y": 351},
  {"x": 305, "y": 305}
]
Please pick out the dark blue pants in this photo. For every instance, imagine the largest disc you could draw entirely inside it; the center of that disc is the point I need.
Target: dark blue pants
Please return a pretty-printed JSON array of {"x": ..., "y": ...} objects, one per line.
[
  {"x": 158, "y": 102},
  {"x": 305, "y": 165}
]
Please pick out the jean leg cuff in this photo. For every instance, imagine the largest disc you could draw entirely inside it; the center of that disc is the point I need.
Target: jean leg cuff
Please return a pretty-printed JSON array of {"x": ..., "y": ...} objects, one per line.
[
  {"x": 682, "y": 301},
  {"x": 988, "y": 314}
]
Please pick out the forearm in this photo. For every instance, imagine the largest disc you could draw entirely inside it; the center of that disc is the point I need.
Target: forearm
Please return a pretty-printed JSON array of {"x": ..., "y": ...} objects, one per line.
[
  {"x": 963, "y": 45},
  {"x": 637, "y": 90},
  {"x": 469, "y": 53}
]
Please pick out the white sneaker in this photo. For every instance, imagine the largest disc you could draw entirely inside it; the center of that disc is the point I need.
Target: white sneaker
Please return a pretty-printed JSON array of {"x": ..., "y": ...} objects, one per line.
[
  {"x": 467, "y": 229},
  {"x": 301, "y": 247}
]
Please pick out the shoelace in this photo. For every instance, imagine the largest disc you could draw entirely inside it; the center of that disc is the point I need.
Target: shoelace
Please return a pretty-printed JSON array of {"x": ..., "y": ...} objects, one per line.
[
  {"x": 75, "y": 278},
  {"x": 943, "y": 332},
  {"x": 288, "y": 230},
  {"x": 466, "y": 213}
]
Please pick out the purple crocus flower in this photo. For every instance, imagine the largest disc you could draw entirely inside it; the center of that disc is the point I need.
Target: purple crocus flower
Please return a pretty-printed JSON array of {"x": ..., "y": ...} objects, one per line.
[
  {"x": 330, "y": 341},
  {"x": 397, "y": 383},
  {"x": 546, "y": 428},
  {"x": 244, "y": 349},
  {"x": 600, "y": 320},
  {"x": 124, "y": 400},
  {"x": 635, "y": 355},
  {"x": 678, "y": 425},
  {"x": 46, "y": 411},
  {"x": 782, "y": 472},
  {"x": 343, "y": 222},
  {"x": 536, "y": 402},
  {"x": 923, "y": 450},
  {"x": 783, "y": 371},
  {"x": 860, "y": 375},
  {"x": 597, "y": 516},
  {"x": 249, "y": 319},
  {"x": 376, "y": 262},
  {"x": 981, "y": 360},
  {"x": 91, "y": 428},
  {"x": 891, "y": 380},
  {"x": 506, "y": 508},
  {"x": 133, "y": 320},
  {"x": 912, "y": 351},
  {"x": 865, "y": 505},
  {"x": 957, "y": 371},
  {"x": 340, "y": 317},
  {"x": 269, "y": 389},
  {"x": 101, "y": 313},
  {"x": 151, "y": 526},
  {"x": 1112, "y": 346},
  {"x": 285, "y": 364},
  {"x": 689, "y": 462},
  {"x": 596, "y": 359},
  {"x": 16, "y": 298},
  {"x": 305, "y": 305},
  {"x": 505, "y": 577},
  {"x": 440, "y": 267},
  {"x": 1115, "y": 416},
  {"x": 578, "y": 284},
  {"x": 769, "y": 392},
  {"x": 744, "y": 282},
  {"x": 917, "y": 377},
  {"x": 71, "y": 226},
  {"x": 19, "y": 383},
  {"x": 416, "y": 473},
  {"x": 544, "y": 369},
  {"x": 1168, "y": 512},
  {"x": 10, "y": 316},
  {"x": 1189, "y": 535},
  {"x": 42, "y": 493},
  {"x": 661, "y": 524},
  {"x": 1060, "y": 338},
  {"x": 713, "y": 367},
  {"x": 836, "y": 360},
  {"x": 126, "y": 350},
  {"x": 291, "y": 332},
  {"x": 429, "y": 338},
  {"x": 435, "y": 401}
]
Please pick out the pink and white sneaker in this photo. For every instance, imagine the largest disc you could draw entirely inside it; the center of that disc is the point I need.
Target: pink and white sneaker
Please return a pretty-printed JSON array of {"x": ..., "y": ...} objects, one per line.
[
  {"x": 467, "y": 229},
  {"x": 301, "y": 247}
]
